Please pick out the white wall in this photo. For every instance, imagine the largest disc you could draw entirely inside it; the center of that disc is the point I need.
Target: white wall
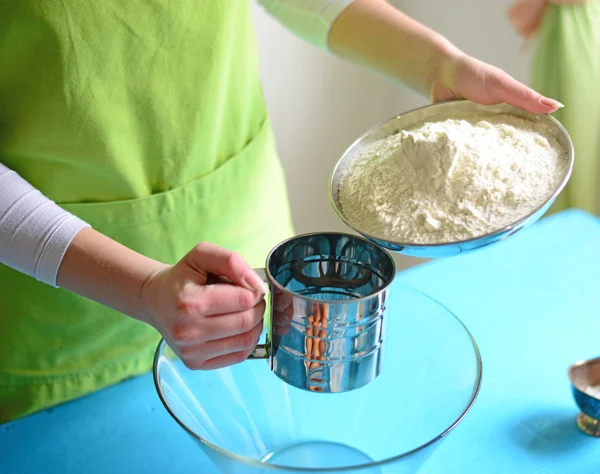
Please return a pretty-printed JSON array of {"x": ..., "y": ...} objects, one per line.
[{"x": 320, "y": 105}]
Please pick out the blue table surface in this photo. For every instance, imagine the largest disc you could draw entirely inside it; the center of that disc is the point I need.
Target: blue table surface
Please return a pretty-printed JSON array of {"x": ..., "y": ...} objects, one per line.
[{"x": 533, "y": 305}]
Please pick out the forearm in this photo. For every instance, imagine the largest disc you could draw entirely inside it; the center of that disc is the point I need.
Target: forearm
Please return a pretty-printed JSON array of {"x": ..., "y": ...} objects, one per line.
[
  {"x": 376, "y": 34},
  {"x": 42, "y": 240},
  {"x": 107, "y": 272}
]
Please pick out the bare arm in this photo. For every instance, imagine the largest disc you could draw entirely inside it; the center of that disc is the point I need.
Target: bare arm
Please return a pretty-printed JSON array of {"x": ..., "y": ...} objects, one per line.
[
  {"x": 107, "y": 272},
  {"x": 209, "y": 326},
  {"x": 376, "y": 34}
]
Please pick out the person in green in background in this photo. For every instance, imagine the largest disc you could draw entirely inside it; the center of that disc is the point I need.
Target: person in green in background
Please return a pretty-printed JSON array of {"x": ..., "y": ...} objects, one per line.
[
  {"x": 132, "y": 131},
  {"x": 567, "y": 66}
]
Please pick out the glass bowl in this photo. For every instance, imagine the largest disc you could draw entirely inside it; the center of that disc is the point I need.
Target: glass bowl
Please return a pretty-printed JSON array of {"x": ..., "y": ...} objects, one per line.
[{"x": 248, "y": 421}]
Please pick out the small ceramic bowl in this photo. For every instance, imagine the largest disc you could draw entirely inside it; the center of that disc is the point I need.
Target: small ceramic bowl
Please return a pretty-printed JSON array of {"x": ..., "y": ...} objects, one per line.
[{"x": 585, "y": 384}]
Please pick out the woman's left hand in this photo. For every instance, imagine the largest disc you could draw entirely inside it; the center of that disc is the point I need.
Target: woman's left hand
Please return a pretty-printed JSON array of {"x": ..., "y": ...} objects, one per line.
[
  {"x": 464, "y": 77},
  {"x": 526, "y": 16}
]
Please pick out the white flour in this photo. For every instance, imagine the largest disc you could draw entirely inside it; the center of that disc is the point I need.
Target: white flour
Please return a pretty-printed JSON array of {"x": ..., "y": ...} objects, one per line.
[
  {"x": 452, "y": 180},
  {"x": 593, "y": 391}
]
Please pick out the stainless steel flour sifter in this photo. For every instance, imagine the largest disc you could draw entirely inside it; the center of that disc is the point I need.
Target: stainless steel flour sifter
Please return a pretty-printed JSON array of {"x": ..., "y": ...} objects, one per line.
[{"x": 329, "y": 296}]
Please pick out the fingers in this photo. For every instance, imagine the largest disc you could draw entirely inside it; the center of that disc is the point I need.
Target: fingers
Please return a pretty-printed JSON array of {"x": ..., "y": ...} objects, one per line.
[
  {"x": 227, "y": 325},
  {"x": 210, "y": 258},
  {"x": 216, "y": 299},
  {"x": 240, "y": 343},
  {"x": 192, "y": 331},
  {"x": 221, "y": 352},
  {"x": 468, "y": 78},
  {"x": 505, "y": 89},
  {"x": 225, "y": 361}
]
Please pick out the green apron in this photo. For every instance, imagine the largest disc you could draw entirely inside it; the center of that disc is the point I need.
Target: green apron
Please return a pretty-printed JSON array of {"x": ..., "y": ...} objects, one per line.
[
  {"x": 567, "y": 68},
  {"x": 147, "y": 120}
]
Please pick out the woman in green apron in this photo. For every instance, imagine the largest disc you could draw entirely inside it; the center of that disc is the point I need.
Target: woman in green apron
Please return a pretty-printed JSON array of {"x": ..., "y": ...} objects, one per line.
[
  {"x": 567, "y": 66},
  {"x": 131, "y": 131}
]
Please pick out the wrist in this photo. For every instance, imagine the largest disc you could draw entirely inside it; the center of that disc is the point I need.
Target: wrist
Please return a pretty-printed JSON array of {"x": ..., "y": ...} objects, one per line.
[
  {"x": 444, "y": 56},
  {"x": 149, "y": 294},
  {"x": 100, "y": 269}
]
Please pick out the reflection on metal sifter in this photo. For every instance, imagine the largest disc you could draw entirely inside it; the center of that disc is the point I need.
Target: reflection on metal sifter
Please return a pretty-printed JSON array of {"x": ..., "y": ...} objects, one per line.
[{"x": 329, "y": 297}]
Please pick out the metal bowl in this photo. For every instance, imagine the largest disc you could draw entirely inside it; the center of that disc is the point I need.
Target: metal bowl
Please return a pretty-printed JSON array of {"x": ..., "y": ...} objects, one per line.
[
  {"x": 438, "y": 112},
  {"x": 583, "y": 375}
]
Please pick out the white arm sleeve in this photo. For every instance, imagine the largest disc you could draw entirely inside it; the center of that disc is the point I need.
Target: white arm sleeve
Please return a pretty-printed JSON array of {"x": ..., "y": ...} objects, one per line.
[
  {"x": 311, "y": 20},
  {"x": 34, "y": 231}
]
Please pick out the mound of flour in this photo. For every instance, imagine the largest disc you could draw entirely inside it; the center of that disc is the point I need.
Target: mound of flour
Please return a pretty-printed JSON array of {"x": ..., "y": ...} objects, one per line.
[{"x": 452, "y": 180}]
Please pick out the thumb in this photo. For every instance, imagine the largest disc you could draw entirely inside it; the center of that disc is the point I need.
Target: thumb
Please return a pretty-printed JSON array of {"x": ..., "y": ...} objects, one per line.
[{"x": 207, "y": 258}]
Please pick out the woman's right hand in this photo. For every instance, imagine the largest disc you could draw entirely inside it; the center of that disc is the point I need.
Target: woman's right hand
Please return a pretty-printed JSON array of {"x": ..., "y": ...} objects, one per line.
[{"x": 207, "y": 325}]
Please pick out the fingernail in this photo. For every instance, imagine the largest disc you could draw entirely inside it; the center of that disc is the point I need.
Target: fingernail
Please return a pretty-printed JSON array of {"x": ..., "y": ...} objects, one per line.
[
  {"x": 256, "y": 283},
  {"x": 552, "y": 103}
]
